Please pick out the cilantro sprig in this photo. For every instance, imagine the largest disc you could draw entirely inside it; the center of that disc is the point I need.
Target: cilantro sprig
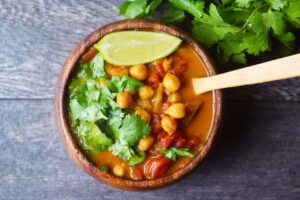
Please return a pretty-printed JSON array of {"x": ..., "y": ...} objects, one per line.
[
  {"x": 97, "y": 119},
  {"x": 173, "y": 152},
  {"x": 236, "y": 28}
]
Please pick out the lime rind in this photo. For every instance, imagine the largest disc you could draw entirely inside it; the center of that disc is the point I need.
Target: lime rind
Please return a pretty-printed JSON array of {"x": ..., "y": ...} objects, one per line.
[{"x": 125, "y": 48}]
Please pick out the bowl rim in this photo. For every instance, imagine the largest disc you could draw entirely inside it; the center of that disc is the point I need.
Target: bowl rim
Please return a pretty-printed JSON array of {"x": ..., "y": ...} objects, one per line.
[{"x": 61, "y": 108}]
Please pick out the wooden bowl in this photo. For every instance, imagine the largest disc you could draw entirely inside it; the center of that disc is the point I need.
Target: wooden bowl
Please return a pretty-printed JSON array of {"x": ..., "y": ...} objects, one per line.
[{"x": 61, "y": 106}]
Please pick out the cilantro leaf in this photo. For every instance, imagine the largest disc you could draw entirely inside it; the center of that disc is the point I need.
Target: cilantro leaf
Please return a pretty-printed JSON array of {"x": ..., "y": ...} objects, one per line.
[
  {"x": 85, "y": 72},
  {"x": 91, "y": 111},
  {"x": 138, "y": 8},
  {"x": 137, "y": 159},
  {"x": 127, "y": 130},
  {"x": 275, "y": 21},
  {"x": 173, "y": 15},
  {"x": 91, "y": 138},
  {"x": 293, "y": 13},
  {"x": 211, "y": 28},
  {"x": 288, "y": 41},
  {"x": 125, "y": 83},
  {"x": 194, "y": 8},
  {"x": 237, "y": 28},
  {"x": 115, "y": 121},
  {"x": 133, "y": 129},
  {"x": 123, "y": 7},
  {"x": 173, "y": 152},
  {"x": 277, "y": 4},
  {"x": 132, "y": 9},
  {"x": 153, "y": 6},
  {"x": 122, "y": 150},
  {"x": 239, "y": 58},
  {"x": 107, "y": 98},
  {"x": 98, "y": 67},
  {"x": 103, "y": 168},
  {"x": 244, "y": 3}
]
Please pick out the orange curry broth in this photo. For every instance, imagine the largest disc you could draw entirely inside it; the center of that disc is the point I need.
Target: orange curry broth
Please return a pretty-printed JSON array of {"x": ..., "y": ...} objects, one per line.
[{"x": 195, "y": 132}]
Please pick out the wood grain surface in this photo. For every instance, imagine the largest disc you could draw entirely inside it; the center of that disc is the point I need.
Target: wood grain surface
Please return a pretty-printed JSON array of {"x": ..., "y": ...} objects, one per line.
[
  {"x": 38, "y": 35},
  {"x": 257, "y": 155}
]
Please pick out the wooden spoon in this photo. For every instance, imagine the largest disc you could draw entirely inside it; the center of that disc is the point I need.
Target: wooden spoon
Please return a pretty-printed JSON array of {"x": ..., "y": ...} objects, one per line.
[{"x": 283, "y": 68}]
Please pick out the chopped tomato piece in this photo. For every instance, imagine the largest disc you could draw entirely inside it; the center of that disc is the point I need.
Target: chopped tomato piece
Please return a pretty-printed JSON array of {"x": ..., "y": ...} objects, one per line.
[
  {"x": 116, "y": 71},
  {"x": 165, "y": 140},
  {"x": 179, "y": 67},
  {"x": 193, "y": 143},
  {"x": 179, "y": 142},
  {"x": 159, "y": 68},
  {"x": 156, "y": 123},
  {"x": 153, "y": 79},
  {"x": 155, "y": 167},
  {"x": 135, "y": 173}
]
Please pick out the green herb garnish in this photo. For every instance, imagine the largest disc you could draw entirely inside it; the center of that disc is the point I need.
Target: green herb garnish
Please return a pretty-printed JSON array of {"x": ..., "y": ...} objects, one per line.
[
  {"x": 96, "y": 118},
  {"x": 236, "y": 28},
  {"x": 103, "y": 168},
  {"x": 136, "y": 159},
  {"x": 173, "y": 152},
  {"x": 125, "y": 83}
]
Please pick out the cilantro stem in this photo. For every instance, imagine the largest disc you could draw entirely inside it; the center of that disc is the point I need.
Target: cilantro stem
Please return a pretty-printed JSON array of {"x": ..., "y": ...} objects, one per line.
[{"x": 252, "y": 14}]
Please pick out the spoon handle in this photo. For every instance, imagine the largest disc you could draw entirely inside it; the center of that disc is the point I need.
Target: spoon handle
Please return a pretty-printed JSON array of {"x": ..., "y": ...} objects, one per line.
[{"x": 283, "y": 68}]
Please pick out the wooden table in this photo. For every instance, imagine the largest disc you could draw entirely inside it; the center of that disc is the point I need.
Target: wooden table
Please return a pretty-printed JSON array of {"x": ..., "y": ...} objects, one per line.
[{"x": 257, "y": 155}]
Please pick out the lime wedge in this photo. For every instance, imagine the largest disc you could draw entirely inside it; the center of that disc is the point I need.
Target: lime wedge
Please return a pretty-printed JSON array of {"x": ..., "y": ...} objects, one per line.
[{"x": 136, "y": 47}]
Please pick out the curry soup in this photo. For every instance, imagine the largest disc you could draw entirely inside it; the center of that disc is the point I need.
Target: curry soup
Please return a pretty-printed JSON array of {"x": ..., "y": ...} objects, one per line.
[{"x": 143, "y": 121}]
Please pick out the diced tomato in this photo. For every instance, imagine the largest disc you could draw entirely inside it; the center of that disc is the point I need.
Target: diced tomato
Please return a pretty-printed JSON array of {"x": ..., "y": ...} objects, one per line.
[
  {"x": 88, "y": 56},
  {"x": 179, "y": 142},
  {"x": 135, "y": 173},
  {"x": 156, "y": 123},
  {"x": 116, "y": 71},
  {"x": 153, "y": 79},
  {"x": 159, "y": 68},
  {"x": 155, "y": 167},
  {"x": 179, "y": 68},
  {"x": 193, "y": 143},
  {"x": 165, "y": 140}
]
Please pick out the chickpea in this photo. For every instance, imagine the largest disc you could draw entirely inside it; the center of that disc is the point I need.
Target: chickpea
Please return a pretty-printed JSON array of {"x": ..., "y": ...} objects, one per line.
[
  {"x": 119, "y": 170},
  {"x": 145, "y": 104},
  {"x": 169, "y": 124},
  {"x": 171, "y": 82},
  {"x": 143, "y": 114},
  {"x": 124, "y": 100},
  {"x": 146, "y": 143},
  {"x": 167, "y": 64},
  {"x": 174, "y": 97},
  {"x": 176, "y": 110},
  {"x": 146, "y": 92},
  {"x": 139, "y": 72}
]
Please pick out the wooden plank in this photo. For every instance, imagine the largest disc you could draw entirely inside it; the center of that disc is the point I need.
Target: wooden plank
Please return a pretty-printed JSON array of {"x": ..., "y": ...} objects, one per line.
[
  {"x": 257, "y": 156},
  {"x": 37, "y": 36}
]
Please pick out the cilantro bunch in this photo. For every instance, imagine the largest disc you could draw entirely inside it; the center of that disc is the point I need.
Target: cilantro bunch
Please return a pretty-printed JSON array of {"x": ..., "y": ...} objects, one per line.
[
  {"x": 235, "y": 28},
  {"x": 96, "y": 118}
]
